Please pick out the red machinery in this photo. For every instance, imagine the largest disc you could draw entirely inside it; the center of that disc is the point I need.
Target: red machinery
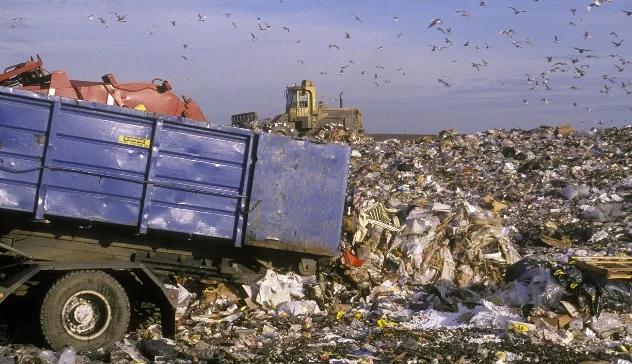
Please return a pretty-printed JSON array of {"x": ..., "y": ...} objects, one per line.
[{"x": 149, "y": 97}]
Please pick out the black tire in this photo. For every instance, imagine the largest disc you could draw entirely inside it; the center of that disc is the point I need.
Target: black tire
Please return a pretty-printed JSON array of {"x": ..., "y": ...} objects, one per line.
[
  {"x": 307, "y": 267},
  {"x": 284, "y": 130},
  {"x": 95, "y": 298}
]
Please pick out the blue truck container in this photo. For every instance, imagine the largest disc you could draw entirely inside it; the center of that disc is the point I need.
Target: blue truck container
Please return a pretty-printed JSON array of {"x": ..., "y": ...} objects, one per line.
[
  {"x": 82, "y": 162},
  {"x": 74, "y": 159}
]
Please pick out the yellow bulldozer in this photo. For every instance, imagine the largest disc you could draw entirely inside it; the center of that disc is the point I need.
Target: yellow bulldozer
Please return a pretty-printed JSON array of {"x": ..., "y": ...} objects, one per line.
[{"x": 303, "y": 115}]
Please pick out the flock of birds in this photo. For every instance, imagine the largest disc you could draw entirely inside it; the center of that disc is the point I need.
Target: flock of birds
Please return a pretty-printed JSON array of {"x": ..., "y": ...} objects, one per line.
[{"x": 578, "y": 65}]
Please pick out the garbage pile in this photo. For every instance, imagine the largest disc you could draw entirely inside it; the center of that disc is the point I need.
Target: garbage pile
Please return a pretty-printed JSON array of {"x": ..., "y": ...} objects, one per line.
[{"x": 457, "y": 248}]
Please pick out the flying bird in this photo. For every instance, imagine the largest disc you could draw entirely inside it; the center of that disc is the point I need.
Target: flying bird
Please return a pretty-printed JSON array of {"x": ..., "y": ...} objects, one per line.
[
  {"x": 443, "y": 82},
  {"x": 333, "y": 46},
  {"x": 253, "y": 37},
  {"x": 582, "y": 50},
  {"x": 104, "y": 22},
  {"x": 357, "y": 18},
  {"x": 617, "y": 44},
  {"x": 627, "y": 12},
  {"x": 286, "y": 29},
  {"x": 516, "y": 11},
  {"x": 201, "y": 17},
  {"x": 119, "y": 17},
  {"x": 434, "y": 22}
]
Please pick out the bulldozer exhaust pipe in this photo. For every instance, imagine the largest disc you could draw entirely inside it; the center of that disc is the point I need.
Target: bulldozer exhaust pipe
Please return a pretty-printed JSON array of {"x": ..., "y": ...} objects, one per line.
[{"x": 340, "y": 99}]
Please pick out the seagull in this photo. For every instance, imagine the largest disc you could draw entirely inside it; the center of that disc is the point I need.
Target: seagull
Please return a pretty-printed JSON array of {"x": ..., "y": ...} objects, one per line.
[
  {"x": 90, "y": 17},
  {"x": 395, "y": 19},
  {"x": 463, "y": 13},
  {"x": 508, "y": 32},
  {"x": 614, "y": 34},
  {"x": 444, "y": 83},
  {"x": 300, "y": 61},
  {"x": 586, "y": 35},
  {"x": 434, "y": 22},
  {"x": 201, "y": 17},
  {"x": 447, "y": 31},
  {"x": 252, "y": 37},
  {"x": 525, "y": 102},
  {"x": 482, "y": 3},
  {"x": 347, "y": 35},
  {"x": 173, "y": 22},
  {"x": 234, "y": 25},
  {"x": 184, "y": 57},
  {"x": 119, "y": 17},
  {"x": 556, "y": 39},
  {"x": 617, "y": 44},
  {"x": 627, "y": 12},
  {"x": 333, "y": 46},
  {"x": 573, "y": 11},
  {"x": 399, "y": 34},
  {"x": 227, "y": 15},
  {"x": 516, "y": 44},
  {"x": 286, "y": 29},
  {"x": 516, "y": 11},
  {"x": 357, "y": 18},
  {"x": 582, "y": 50},
  {"x": 104, "y": 22},
  {"x": 619, "y": 69},
  {"x": 264, "y": 26},
  {"x": 185, "y": 46}
]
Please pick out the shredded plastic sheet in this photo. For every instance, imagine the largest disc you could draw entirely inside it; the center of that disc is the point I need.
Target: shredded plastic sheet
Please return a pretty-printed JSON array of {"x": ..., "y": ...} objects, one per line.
[
  {"x": 487, "y": 315},
  {"x": 275, "y": 289}
]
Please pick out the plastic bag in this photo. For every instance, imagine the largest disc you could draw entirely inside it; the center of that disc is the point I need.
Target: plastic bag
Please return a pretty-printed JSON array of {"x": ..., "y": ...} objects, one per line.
[{"x": 530, "y": 282}]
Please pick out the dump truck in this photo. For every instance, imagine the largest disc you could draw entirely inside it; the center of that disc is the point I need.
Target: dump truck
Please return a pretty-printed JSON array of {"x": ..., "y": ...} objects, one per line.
[
  {"x": 304, "y": 114},
  {"x": 100, "y": 205}
]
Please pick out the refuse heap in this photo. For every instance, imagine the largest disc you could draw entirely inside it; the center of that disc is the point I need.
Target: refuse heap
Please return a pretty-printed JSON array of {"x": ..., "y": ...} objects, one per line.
[{"x": 455, "y": 248}]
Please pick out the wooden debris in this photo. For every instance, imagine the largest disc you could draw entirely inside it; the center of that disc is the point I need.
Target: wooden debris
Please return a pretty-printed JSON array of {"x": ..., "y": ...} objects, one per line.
[{"x": 609, "y": 267}]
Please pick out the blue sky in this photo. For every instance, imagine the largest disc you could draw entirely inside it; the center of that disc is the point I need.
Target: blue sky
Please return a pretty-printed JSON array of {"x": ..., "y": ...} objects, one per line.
[{"x": 227, "y": 72}]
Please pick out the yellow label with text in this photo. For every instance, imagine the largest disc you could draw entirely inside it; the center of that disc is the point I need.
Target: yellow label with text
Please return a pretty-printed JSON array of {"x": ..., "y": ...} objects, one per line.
[{"x": 137, "y": 142}]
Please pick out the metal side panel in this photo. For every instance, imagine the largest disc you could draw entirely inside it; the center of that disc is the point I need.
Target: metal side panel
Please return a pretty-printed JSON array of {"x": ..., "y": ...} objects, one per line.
[
  {"x": 23, "y": 130},
  {"x": 201, "y": 180},
  {"x": 298, "y": 195}
]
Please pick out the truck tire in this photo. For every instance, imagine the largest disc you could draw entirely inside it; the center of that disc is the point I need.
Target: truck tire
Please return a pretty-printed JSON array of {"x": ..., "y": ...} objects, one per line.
[
  {"x": 86, "y": 310},
  {"x": 284, "y": 130}
]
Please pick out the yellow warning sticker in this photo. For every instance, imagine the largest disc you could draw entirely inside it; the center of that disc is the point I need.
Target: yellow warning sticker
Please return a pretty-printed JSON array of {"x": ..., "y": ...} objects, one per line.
[
  {"x": 140, "y": 107},
  {"x": 137, "y": 142}
]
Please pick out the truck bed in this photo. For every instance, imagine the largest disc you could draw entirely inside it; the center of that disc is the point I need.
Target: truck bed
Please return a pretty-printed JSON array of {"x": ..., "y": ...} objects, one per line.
[{"x": 62, "y": 158}]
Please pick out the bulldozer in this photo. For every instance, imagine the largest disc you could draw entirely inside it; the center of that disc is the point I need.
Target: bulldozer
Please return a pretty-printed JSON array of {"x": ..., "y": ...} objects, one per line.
[{"x": 303, "y": 115}]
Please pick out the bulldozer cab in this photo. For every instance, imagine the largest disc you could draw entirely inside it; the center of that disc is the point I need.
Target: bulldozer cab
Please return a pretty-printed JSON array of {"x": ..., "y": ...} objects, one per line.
[{"x": 300, "y": 105}]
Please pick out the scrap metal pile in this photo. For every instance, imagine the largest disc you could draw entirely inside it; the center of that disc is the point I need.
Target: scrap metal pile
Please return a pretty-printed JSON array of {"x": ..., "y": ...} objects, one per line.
[{"x": 456, "y": 248}]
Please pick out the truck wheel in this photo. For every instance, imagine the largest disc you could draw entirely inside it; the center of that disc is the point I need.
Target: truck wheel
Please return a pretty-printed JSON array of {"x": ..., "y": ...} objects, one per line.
[
  {"x": 307, "y": 267},
  {"x": 284, "y": 130},
  {"x": 85, "y": 309}
]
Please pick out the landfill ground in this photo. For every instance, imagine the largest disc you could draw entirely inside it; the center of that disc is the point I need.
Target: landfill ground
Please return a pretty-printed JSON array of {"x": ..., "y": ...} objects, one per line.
[{"x": 432, "y": 226}]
